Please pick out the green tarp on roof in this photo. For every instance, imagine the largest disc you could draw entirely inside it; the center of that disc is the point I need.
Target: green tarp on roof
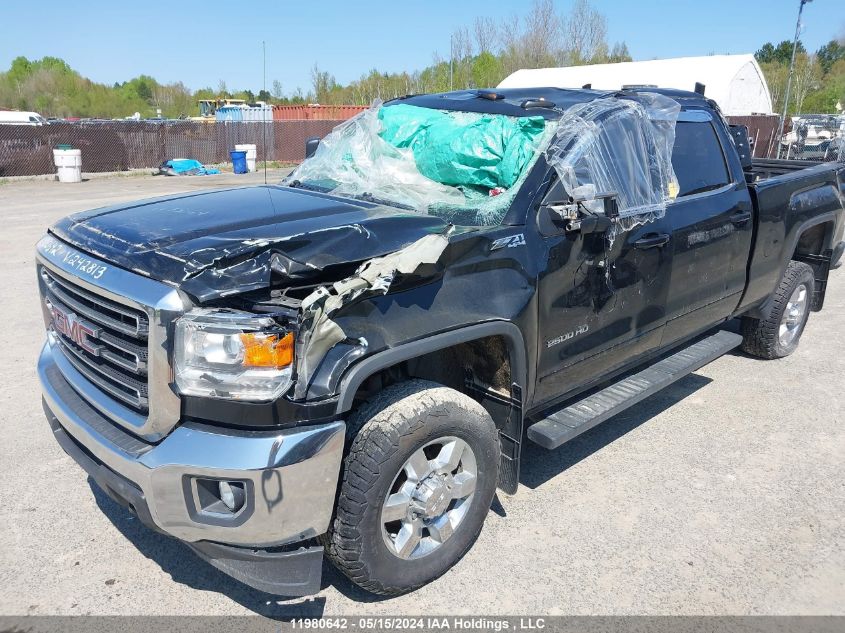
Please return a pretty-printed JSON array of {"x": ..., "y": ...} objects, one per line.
[{"x": 462, "y": 149}]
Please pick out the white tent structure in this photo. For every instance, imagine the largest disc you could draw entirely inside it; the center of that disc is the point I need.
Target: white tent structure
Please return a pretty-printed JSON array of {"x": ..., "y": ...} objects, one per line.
[{"x": 735, "y": 82}]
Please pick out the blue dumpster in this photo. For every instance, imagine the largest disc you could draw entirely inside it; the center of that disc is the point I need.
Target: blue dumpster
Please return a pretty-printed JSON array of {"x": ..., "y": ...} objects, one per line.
[{"x": 239, "y": 162}]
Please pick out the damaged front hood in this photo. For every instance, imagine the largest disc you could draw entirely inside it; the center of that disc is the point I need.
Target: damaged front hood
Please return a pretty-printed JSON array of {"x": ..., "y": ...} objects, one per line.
[{"x": 218, "y": 243}]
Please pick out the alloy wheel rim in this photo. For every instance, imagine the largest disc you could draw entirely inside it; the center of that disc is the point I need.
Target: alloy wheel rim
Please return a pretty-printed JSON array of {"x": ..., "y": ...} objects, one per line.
[
  {"x": 793, "y": 316},
  {"x": 429, "y": 498}
]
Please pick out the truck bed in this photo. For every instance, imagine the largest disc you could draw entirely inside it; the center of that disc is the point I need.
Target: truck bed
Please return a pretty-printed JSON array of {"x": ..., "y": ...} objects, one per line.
[
  {"x": 790, "y": 196},
  {"x": 763, "y": 168}
]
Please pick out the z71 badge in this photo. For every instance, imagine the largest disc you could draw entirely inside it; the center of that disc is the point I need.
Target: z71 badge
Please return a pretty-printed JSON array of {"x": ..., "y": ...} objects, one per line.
[{"x": 511, "y": 241}]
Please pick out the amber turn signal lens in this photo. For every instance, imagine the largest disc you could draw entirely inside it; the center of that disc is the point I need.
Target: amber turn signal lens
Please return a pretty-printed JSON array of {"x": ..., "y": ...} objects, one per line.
[{"x": 267, "y": 350}]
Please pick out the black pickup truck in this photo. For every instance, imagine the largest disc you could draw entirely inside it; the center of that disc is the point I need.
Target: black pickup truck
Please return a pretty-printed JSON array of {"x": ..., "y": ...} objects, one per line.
[{"x": 349, "y": 363}]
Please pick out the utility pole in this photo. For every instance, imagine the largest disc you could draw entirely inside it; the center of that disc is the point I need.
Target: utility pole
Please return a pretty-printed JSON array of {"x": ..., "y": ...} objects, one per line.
[
  {"x": 264, "y": 109},
  {"x": 791, "y": 70},
  {"x": 451, "y": 62}
]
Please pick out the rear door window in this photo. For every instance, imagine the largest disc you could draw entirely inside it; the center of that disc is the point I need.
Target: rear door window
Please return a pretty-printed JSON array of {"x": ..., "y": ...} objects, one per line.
[{"x": 697, "y": 158}]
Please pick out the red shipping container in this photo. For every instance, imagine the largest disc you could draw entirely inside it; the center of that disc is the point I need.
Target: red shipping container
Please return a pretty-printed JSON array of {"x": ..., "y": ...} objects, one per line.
[{"x": 315, "y": 112}]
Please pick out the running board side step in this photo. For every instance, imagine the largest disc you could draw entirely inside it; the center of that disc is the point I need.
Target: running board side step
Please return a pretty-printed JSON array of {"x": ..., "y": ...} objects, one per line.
[{"x": 571, "y": 421}]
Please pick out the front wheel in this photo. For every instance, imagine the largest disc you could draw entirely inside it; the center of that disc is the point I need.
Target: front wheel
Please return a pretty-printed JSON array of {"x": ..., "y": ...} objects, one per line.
[
  {"x": 418, "y": 481},
  {"x": 778, "y": 335}
]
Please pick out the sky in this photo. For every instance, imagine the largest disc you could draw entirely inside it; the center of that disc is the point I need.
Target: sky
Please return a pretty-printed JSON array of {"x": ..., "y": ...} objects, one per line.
[{"x": 202, "y": 43}]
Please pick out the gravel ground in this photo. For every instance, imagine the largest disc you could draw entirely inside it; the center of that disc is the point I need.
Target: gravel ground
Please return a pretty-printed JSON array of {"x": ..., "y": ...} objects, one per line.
[{"x": 723, "y": 494}]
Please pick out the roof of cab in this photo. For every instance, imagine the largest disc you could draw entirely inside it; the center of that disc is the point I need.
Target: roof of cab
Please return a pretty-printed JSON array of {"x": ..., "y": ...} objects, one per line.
[{"x": 510, "y": 101}]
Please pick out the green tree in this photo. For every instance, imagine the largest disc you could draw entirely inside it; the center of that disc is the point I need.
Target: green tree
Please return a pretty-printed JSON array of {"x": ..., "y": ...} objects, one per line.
[
  {"x": 486, "y": 70},
  {"x": 141, "y": 87},
  {"x": 781, "y": 54},
  {"x": 765, "y": 54},
  {"x": 21, "y": 69},
  {"x": 54, "y": 64},
  {"x": 829, "y": 54},
  {"x": 832, "y": 91}
]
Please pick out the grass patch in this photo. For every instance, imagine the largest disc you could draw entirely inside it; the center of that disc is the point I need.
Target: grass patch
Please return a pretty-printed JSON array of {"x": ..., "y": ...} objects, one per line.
[
  {"x": 227, "y": 168},
  {"x": 275, "y": 164}
]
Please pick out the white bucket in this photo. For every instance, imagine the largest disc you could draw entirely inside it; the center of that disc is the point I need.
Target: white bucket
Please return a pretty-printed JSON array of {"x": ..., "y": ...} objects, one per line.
[
  {"x": 68, "y": 164},
  {"x": 251, "y": 154}
]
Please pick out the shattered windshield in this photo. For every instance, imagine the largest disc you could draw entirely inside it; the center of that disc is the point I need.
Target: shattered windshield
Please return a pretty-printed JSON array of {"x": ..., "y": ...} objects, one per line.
[
  {"x": 463, "y": 166},
  {"x": 466, "y": 167}
]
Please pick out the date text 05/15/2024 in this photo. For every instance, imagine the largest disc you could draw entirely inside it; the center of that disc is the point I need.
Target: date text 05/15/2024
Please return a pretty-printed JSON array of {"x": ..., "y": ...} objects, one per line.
[{"x": 450, "y": 623}]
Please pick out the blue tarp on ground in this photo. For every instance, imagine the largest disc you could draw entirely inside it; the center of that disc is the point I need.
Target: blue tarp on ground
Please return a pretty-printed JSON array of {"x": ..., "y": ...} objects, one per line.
[{"x": 186, "y": 167}]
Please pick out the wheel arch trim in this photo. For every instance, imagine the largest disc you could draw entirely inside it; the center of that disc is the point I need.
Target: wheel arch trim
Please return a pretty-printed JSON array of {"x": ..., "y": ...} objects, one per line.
[
  {"x": 370, "y": 365},
  {"x": 764, "y": 310}
]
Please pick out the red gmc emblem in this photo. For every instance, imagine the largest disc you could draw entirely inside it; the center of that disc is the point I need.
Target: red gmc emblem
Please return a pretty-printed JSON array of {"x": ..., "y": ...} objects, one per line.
[{"x": 76, "y": 329}]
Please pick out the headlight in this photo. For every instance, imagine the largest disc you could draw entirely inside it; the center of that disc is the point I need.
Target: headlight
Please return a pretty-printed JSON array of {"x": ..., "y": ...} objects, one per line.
[{"x": 232, "y": 355}]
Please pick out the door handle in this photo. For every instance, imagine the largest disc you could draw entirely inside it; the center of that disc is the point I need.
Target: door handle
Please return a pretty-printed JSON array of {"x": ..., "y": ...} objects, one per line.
[
  {"x": 653, "y": 240},
  {"x": 741, "y": 217}
]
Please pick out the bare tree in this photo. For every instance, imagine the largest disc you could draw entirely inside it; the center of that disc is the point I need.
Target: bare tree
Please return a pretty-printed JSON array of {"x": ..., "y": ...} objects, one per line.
[
  {"x": 323, "y": 83},
  {"x": 775, "y": 74},
  {"x": 485, "y": 34},
  {"x": 541, "y": 38},
  {"x": 160, "y": 98},
  {"x": 482, "y": 54},
  {"x": 807, "y": 78},
  {"x": 619, "y": 53},
  {"x": 461, "y": 43},
  {"x": 585, "y": 32},
  {"x": 278, "y": 93},
  {"x": 509, "y": 39},
  {"x": 461, "y": 57}
]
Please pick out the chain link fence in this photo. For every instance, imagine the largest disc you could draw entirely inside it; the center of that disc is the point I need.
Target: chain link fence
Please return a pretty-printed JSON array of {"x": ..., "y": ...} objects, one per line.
[
  {"x": 818, "y": 137},
  {"x": 121, "y": 145},
  {"x": 812, "y": 137}
]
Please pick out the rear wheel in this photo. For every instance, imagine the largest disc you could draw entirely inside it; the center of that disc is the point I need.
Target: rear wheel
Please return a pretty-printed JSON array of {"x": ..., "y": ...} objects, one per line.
[
  {"x": 779, "y": 335},
  {"x": 418, "y": 481}
]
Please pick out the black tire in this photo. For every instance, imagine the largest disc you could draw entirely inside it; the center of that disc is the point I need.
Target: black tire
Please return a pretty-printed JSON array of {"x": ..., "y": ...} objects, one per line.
[
  {"x": 760, "y": 337},
  {"x": 396, "y": 423}
]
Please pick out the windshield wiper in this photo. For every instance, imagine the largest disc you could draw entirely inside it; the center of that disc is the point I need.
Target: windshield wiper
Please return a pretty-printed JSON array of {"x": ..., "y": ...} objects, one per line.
[
  {"x": 366, "y": 197},
  {"x": 298, "y": 184}
]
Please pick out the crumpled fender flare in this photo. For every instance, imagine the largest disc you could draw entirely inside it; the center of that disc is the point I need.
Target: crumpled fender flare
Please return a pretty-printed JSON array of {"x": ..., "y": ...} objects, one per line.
[{"x": 370, "y": 365}]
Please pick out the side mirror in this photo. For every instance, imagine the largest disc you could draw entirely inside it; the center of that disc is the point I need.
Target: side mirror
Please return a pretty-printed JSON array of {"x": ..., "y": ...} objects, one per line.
[
  {"x": 311, "y": 145},
  {"x": 595, "y": 224},
  {"x": 573, "y": 216},
  {"x": 611, "y": 205}
]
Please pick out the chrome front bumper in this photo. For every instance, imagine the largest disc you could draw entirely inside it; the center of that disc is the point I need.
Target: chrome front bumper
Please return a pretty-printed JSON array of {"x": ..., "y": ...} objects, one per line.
[{"x": 290, "y": 475}]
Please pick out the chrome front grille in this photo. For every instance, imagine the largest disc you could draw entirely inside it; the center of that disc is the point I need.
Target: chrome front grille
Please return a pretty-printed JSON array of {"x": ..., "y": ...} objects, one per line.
[
  {"x": 114, "y": 357},
  {"x": 110, "y": 337}
]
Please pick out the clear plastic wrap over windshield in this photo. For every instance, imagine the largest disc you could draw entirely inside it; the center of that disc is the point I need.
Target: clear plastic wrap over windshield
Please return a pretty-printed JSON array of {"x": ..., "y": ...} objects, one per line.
[
  {"x": 620, "y": 146},
  {"x": 460, "y": 165},
  {"x": 354, "y": 160}
]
